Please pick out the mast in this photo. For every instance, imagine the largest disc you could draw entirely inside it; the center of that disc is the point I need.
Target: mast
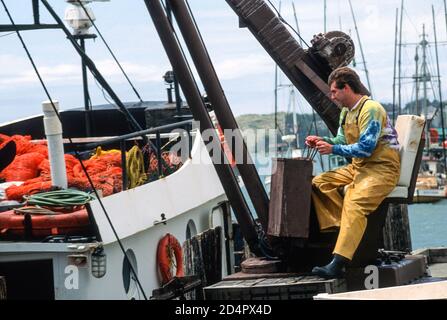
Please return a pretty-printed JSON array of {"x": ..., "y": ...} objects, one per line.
[
  {"x": 399, "y": 63},
  {"x": 394, "y": 67},
  {"x": 276, "y": 98},
  {"x": 441, "y": 108},
  {"x": 445, "y": 14},
  {"x": 87, "y": 103},
  {"x": 361, "y": 48},
  {"x": 295, "y": 120},
  {"x": 416, "y": 78},
  {"x": 276, "y": 86},
  {"x": 424, "y": 75},
  {"x": 325, "y": 10},
  {"x": 178, "y": 97},
  {"x": 424, "y": 78}
]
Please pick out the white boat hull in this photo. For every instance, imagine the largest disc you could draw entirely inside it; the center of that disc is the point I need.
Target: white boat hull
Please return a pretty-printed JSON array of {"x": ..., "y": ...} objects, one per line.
[{"x": 189, "y": 198}]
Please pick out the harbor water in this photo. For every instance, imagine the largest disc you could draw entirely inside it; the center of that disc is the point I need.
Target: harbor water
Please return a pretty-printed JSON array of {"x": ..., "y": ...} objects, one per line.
[{"x": 428, "y": 224}]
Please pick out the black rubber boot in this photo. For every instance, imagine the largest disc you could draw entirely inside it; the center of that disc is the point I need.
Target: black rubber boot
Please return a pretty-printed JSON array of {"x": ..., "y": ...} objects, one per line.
[{"x": 335, "y": 268}]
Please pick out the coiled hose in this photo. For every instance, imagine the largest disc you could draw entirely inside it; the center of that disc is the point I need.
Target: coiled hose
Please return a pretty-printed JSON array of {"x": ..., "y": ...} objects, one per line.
[{"x": 60, "y": 198}]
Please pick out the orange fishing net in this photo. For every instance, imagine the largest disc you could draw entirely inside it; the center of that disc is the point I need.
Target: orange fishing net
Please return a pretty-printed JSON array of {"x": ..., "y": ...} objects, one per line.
[
  {"x": 170, "y": 163},
  {"x": 32, "y": 166},
  {"x": 24, "y": 167}
]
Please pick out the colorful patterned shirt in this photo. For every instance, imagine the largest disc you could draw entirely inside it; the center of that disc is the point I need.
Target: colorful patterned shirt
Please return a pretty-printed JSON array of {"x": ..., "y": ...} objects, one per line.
[{"x": 374, "y": 125}]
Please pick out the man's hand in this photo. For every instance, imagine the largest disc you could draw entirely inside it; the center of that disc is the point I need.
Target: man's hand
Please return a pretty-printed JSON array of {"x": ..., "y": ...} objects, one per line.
[
  {"x": 324, "y": 147},
  {"x": 311, "y": 141}
]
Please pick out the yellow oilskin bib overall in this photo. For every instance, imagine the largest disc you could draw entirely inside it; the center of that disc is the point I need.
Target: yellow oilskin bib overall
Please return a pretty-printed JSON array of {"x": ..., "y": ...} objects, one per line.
[{"x": 369, "y": 181}]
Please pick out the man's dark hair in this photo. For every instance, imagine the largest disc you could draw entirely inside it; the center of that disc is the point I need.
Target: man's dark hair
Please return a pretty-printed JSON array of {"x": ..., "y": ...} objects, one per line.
[{"x": 346, "y": 76}]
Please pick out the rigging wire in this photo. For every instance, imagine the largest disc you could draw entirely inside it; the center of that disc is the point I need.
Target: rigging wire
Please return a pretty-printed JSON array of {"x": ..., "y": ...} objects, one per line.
[
  {"x": 431, "y": 71},
  {"x": 411, "y": 21},
  {"x": 286, "y": 23},
  {"x": 72, "y": 144},
  {"x": 110, "y": 50},
  {"x": 7, "y": 34},
  {"x": 105, "y": 95},
  {"x": 313, "y": 111}
]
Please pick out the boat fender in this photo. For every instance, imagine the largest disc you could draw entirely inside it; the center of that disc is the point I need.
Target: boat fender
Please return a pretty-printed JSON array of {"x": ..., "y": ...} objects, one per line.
[{"x": 169, "y": 249}]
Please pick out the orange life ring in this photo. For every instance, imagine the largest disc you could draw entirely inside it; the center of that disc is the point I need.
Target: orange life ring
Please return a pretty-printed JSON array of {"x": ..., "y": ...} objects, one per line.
[
  {"x": 225, "y": 147},
  {"x": 168, "y": 247}
]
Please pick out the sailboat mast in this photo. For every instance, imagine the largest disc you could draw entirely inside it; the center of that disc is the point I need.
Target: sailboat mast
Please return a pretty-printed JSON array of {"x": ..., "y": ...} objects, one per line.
[
  {"x": 296, "y": 23},
  {"x": 293, "y": 107},
  {"x": 424, "y": 74},
  {"x": 295, "y": 120},
  {"x": 276, "y": 86},
  {"x": 394, "y": 67},
  {"x": 325, "y": 10},
  {"x": 424, "y": 78},
  {"x": 441, "y": 108},
  {"x": 416, "y": 78},
  {"x": 361, "y": 48},
  {"x": 399, "y": 63},
  {"x": 276, "y": 97},
  {"x": 445, "y": 14}
]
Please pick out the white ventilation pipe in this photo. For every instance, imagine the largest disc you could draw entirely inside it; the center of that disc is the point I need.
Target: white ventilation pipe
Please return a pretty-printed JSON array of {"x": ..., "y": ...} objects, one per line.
[{"x": 53, "y": 131}]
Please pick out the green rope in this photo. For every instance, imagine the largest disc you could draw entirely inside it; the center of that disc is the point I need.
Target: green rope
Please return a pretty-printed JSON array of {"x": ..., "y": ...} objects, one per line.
[{"x": 60, "y": 198}]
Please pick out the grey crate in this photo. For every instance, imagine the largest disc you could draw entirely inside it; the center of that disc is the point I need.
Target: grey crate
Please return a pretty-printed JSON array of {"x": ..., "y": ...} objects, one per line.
[{"x": 285, "y": 288}]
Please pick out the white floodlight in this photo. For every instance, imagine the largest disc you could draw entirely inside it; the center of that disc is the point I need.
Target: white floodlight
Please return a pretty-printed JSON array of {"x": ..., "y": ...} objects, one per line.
[{"x": 78, "y": 18}]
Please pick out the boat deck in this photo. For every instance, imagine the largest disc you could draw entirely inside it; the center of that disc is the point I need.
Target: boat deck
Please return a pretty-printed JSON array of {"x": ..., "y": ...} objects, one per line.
[
  {"x": 272, "y": 287},
  {"x": 436, "y": 260},
  {"x": 288, "y": 286}
]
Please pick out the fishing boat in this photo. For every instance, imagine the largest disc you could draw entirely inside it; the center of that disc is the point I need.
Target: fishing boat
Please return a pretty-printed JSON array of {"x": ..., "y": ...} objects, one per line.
[
  {"x": 431, "y": 182},
  {"x": 125, "y": 248},
  {"x": 430, "y": 188},
  {"x": 118, "y": 244}
]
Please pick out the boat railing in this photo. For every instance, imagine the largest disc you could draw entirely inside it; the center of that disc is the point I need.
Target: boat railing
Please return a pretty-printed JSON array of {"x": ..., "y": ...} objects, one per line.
[{"x": 153, "y": 134}]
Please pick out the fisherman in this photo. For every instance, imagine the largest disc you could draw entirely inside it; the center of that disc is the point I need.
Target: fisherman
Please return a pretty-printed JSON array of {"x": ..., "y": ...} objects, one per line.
[{"x": 365, "y": 134}]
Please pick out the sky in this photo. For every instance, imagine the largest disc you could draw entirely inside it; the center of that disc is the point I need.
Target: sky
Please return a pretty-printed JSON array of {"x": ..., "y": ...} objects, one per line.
[{"x": 244, "y": 68}]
